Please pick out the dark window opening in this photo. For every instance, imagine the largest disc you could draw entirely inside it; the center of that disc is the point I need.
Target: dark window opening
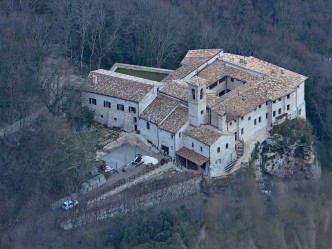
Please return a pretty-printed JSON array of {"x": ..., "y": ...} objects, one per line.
[
  {"x": 201, "y": 148},
  {"x": 242, "y": 131},
  {"x": 288, "y": 107},
  {"x": 267, "y": 115},
  {"x": 279, "y": 111},
  {"x": 201, "y": 94},
  {"x": 288, "y": 96},
  {"x": 193, "y": 93},
  {"x": 192, "y": 145},
  {"x": 148, "y": 125},
  {"x": 259, "y": 119},
  {"x": 279, "y": 99},
  {"x": 202, "y": 112},
  {"x": 132, "y": 109},
  {"x": 226, "y": 146},
  {"x": 274, "y": 113},
  {"x": 92, "y": 101},
  {"x": 255, "y": 121},
  {"x": 259, "y": 106},
  {"x": 135, "y": 119},
  {"x": 249, "y": 118},
  {"x": 120, "y": 107},
  {"x": 218, "y": 149},
  {"x": 107, "y": 104}
]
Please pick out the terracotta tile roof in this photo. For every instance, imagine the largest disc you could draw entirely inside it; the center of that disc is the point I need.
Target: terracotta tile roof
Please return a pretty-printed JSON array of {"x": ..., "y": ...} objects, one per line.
[
  {"x": 199, "y": 55},
  {"x": 219, "y": 69},
  {"x": 175, "y": 120},
  {"x": 214, "y": 71},
  {"x": 192, "y": 156},
  {"x": 114, "y": 85},
  {"x": 197, "y": 81},
  {"x": 159, "y": 109},
  {"x": 177, "y": 89},
  {"x": 205, "y": 133},
  {"x": 182, "y": 71}
]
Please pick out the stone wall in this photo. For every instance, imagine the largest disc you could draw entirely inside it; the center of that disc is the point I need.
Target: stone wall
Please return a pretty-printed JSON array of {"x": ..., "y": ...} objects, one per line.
[{"x": 176, "y": 191}]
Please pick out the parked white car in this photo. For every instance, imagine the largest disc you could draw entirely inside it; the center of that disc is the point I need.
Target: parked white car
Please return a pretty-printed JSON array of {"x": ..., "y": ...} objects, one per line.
[{"x": 69, "y": 204}]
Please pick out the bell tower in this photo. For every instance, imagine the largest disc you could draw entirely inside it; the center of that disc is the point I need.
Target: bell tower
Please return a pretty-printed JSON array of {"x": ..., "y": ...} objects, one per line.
[{"x": 197, "y": 100}]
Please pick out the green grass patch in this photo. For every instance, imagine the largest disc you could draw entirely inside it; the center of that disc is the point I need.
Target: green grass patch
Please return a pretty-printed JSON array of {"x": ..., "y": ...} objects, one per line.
[{"x": 142, "y": 74}]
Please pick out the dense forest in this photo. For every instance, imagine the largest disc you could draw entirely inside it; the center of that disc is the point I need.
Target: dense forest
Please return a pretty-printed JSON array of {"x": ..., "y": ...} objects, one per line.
[{"x": 42, "y": 41}]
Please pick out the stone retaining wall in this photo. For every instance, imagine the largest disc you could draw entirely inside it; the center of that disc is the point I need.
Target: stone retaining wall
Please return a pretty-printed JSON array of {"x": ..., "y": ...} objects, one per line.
[{"x": 176, "y": 191}]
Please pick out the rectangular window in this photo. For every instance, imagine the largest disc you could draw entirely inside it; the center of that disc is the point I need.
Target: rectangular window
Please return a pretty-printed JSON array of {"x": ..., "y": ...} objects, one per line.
[
  {"x": 135, "y": 119},
  {"x": 132, "y": 109},
  {"x": 148, "y": 125},
  {"x": 259, "y": 119},
  {"x": 288, "y": 107},
  {"x": 274, "y": 101},
  {"x": 192, "y": 145},
  {"x": 266, "y": 103},
  {"x": 92, "y": 101},
  {"x": 255, "y": 121},
  {"x": 180, "y": 134},
  {"x": 267, "y": 115},
  {"x": 232, "y": 79},
  {"x": 172, "y": 136},
  {"x": 120, "y": 107},
  {"x": 279, "y": 111},
  {"x": 242, "y": 131},
  {"x": 202, "y": 112},
  {"x": 274, "y": 113},
  {"x": 241, "y": 118},
  {"x": 288, "y": 96},
  {"x": 230, "y": 123},
  {"x": 249, "y": 118},
  {"x": 201, "y": 148},
  {"x": 259, "y": 106},
  {"x": 107, "y": 104}
]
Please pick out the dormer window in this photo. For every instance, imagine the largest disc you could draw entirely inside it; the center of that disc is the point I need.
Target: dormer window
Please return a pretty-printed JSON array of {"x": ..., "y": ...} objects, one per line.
[
  {"x": 201, "y": 94},
  {"x": 193, "y": 93}
]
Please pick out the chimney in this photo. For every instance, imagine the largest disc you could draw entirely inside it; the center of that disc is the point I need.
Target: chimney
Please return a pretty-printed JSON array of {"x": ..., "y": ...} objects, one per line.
[{"x": 95, "y": 80}]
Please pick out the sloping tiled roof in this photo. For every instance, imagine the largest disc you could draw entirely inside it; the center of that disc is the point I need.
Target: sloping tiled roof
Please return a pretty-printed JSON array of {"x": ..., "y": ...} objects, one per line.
[
  {"x": 159, "y": 109},
  {"x": 175, "y": 120},
  {"x": 199, "y": 55},
  {"x": 182, "y": 71},
  {"x": 114, "y": 85},
  {"x": 192, "y": 156},
  {"x": 214, "y": 71},
  {"x": 205, "y": 133}
]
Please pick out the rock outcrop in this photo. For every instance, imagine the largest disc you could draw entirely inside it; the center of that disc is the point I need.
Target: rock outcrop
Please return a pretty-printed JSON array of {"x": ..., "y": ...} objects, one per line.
[{"x": 279, "y": 157}]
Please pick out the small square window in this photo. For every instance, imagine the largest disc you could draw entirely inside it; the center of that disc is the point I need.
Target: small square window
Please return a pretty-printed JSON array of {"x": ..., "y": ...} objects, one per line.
[
  {"x": 115, "y": 119},
  {"x": 107, "y": 104},
  {"x": 120, "y": 107},
  {"x": 101, "y": 116},
  {"x": 274, "y": 101},
  {"x": 92, "y": 101},
  {"x": 279, "y": 99},
  {"x": 249, "y": 118},
  {"x": 241, "y": 118},
  {"x": 202, "y": 112}
]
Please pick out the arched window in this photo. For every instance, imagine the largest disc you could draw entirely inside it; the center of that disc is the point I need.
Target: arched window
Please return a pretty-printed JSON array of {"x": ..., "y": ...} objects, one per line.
[
  {"x": 201, "y": 94},
  {"x": 193, "y": 93},
  {"x": 218, "y": 149}
]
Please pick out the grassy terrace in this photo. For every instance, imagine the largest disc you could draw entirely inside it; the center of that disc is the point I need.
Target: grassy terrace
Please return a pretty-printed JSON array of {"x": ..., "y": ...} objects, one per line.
[{"x": 142, "y": 74}]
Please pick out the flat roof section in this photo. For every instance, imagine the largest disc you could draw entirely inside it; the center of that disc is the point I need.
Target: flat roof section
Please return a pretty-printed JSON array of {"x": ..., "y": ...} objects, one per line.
[{"x": 156, "y": 76}]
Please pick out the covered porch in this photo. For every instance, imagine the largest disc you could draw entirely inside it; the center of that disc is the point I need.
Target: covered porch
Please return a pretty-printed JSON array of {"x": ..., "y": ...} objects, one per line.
[{"x": 191, "y": 159}]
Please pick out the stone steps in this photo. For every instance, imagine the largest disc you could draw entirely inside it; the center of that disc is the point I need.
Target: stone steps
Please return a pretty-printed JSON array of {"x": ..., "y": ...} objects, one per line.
[{"x": 230, "y": 166}]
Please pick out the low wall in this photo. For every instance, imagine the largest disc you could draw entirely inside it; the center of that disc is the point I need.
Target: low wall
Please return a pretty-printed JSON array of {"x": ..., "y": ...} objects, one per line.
[{"x": 141, "y": 68}]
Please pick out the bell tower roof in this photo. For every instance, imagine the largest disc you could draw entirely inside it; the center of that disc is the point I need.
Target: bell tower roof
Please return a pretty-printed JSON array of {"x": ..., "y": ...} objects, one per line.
[{"x": 197, "y": 81}]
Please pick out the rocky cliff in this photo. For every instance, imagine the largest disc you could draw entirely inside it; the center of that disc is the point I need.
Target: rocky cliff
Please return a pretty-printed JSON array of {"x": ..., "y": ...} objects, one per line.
[{"x": 281, "y": 157}]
